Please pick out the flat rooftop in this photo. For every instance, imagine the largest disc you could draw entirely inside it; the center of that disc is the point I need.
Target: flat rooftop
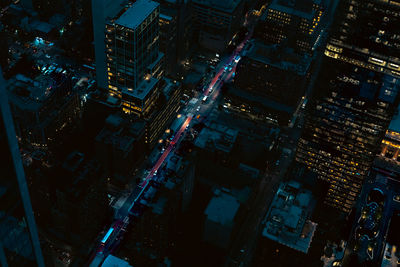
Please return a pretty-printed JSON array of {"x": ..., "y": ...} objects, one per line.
[
  {"x": 287, "y": 59},
  {"x": 298, "y": 8},
  {"x": 395, "y": 123},
  {"x": 222, "y": 208},
  {"x": 221, "y": 5},
  {"x": 287, "y": 221},
  {"x": 218, "y": 136},
  {"x": 30, "y": 94},
  {"x": 120, "y": 134},
  {"x": 165, "y": 17},
  {"x": 112, "y": 261},
  {"x": 144, "y": 88},
  {"x": 137, "y": 13}
]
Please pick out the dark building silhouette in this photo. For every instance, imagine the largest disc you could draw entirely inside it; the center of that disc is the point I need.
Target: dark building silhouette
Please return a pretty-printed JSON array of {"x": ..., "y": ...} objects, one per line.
[
  {"x": 119, "y": 145},
  {"x": 217, "y": 21},
  {"x": 175, "y": 33},
  {"x": 19, "y": 241},
  {"x": 42, "y": 107},
  {"x": 296, "y": 24},
  {"x": 261, "y": 83}
]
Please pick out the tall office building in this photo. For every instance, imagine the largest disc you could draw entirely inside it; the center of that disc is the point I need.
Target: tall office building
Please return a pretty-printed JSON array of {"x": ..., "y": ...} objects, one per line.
[
  {"x": 175, "y": 33},
  {"x": 355, "y": 98},
  {"x": 101, "y": 11},
  {"x": 261, "y": 84},
  {"x": 134, "y": 63},
  {"x": 344, "y": 128},
  {"x": 19, "y": 242},
  {"x": 134, "y": 67},
  {"x": 217, "y": 21},
  {"x": 366, "y": 34},
  {"x": 294, "y": 23}
]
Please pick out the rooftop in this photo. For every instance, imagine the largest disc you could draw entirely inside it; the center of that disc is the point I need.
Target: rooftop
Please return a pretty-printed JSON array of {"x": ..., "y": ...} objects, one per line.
[
  {"x": 217, "y": 136},
  {"x": 158, "y": 207},
  {"x": 143, "y": 89},
  {"x": 169, "y": 87},
  {"x": 120, "y": 134},
  {"x": 261, "y": 101},
  {"x": 222, "y": 5},
  {"x": 165, "y": 17},
  {"x": 222, "y": 208},
  {"x": 395, "y": 123},
  {"x": 112, "y": 261},
  {"x": 30, "y": 94},
  {"x": 287, "y": 219},
  {"x": 137, "y": 13},
  {"x": 276, "y": 56},
  {"x": 299, "y": 8}
]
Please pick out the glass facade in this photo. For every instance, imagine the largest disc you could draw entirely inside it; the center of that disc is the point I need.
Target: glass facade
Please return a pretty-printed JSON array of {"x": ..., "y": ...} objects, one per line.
[{"x": 130, "y": 51}]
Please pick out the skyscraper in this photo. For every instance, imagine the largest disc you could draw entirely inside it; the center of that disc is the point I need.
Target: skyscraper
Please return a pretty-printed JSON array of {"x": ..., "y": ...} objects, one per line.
[
  {"x": 356, "y": 95},
  {"x": 134, "y": 63},
  {"x": 217, "y": 21},
  {"x": 344, "y": 128},
  {"x": 366, "y": 34},
  {"x": 293, "y": 23},
  {"x": 19, "y": 241},
  {"x": 101, "y": 11},
  {"x": 134, "y": 67}
]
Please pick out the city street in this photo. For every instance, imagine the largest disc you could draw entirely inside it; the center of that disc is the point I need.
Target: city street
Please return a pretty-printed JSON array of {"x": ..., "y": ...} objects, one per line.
[{"x": 203, "y": 107}]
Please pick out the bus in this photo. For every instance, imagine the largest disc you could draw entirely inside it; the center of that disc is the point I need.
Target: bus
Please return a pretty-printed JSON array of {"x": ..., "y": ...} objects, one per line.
[
  {"x": 204, "y": 100},
  {"x": 105, "y": 238}
]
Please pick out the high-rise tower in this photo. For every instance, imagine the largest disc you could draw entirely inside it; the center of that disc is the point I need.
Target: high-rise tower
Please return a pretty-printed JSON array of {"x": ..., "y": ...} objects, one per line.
[
  {"x": 356, "y": 95},
  {"x": 19, "y": 241}
]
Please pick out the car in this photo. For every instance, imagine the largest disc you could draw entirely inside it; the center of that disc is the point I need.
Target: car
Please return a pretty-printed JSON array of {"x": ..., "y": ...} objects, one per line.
[{"x": 198, "y": 108}]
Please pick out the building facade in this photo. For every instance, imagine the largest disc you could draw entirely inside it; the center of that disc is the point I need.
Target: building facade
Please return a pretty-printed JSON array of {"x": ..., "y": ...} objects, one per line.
[
  {"x": 42, "y": 107},
  {"x": 133, "y": 59},
  {"x": 135, "y": 67},
  {"x": 168, "y": 40},
  {"x": 365, "y": 35},
  {"x": 102, "y": 10},
  {"x": 344, "y": 127},
  {"x": 19, "y": 240},
  {"x": 261, "y": 85},
  {"x": 217, "y": 21},
  {"x": 356, "y": 97},
  {"x": 293, "y": 23}
]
